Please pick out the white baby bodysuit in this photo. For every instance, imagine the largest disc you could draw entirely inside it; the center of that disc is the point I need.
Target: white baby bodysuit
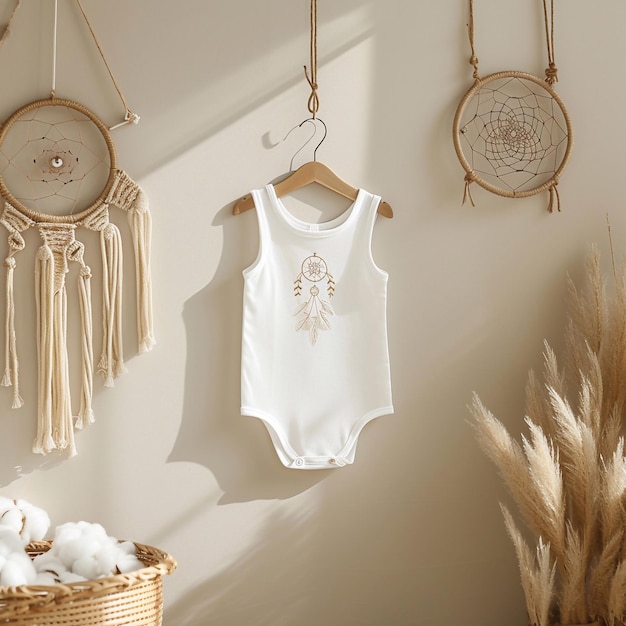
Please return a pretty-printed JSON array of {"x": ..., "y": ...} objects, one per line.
[{"x": 315, "y": 360}]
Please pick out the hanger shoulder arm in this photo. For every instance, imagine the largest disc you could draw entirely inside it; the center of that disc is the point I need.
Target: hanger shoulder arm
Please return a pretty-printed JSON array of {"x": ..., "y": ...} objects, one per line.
[
  {"x": 384, "y": 209},
  {"x": 245, "y": 203}
]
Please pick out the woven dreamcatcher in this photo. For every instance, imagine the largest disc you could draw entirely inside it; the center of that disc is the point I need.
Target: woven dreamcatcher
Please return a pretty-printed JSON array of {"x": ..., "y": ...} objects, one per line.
[
  {"x": 512, "y": 133},
  {"x": 58, "y": 176}
]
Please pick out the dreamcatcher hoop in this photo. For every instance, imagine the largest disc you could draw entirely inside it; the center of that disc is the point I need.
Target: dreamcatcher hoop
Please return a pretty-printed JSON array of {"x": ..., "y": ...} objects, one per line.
[
  {"x": 53, "y": 101},
  {"x": 511, "y": 131}
]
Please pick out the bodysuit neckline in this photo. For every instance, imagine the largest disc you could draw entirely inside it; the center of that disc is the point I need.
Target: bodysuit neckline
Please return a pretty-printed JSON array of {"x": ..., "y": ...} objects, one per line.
[{"x": 312, "y": 229}]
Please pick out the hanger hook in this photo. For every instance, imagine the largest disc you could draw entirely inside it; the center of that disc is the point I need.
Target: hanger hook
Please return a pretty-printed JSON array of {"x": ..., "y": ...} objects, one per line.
[
  {"x": 310, "y": 120},
  {"x": 319, "y": 119},
  {"x": 305, "y": 144}
]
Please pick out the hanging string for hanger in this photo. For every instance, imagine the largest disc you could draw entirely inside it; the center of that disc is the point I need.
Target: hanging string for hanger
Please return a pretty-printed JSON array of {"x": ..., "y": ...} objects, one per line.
[{"x": 313, "y": 103}]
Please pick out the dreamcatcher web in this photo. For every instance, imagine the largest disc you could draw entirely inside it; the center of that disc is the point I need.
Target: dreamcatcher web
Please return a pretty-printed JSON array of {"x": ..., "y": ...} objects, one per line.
[
  {"x": 513, "y": 133},
  {"x": 54, "y": 159}
]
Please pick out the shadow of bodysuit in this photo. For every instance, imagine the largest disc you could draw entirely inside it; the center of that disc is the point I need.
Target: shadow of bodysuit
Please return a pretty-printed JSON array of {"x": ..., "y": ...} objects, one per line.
[{"x": 236, "y": 449}]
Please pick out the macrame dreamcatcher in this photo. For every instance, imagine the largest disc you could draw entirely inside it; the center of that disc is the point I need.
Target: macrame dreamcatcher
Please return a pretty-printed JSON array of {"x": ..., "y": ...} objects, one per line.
[
  {"x": 512, "y": 132},
  {"x": 58, "y": 176}
]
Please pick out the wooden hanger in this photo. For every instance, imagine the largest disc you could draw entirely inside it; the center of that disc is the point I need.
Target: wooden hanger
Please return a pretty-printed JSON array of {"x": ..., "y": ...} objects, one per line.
[{"x": 311, "y": 172}]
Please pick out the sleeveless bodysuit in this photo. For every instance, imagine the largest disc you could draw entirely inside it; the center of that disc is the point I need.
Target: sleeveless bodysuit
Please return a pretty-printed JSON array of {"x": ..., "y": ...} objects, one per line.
[{"x": 315, "y": 361}]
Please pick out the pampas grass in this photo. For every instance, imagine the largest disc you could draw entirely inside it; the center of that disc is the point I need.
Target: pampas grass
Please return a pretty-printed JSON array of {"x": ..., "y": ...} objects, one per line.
[{"x": 567, "y": 476}]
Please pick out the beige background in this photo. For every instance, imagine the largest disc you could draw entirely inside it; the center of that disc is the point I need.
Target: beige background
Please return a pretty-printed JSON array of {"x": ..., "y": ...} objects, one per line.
[{"x": 411, "y": 534}]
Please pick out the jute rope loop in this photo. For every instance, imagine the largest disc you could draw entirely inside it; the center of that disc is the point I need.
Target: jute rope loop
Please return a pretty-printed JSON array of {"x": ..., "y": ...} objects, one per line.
[{"x": 313, "y": 103}]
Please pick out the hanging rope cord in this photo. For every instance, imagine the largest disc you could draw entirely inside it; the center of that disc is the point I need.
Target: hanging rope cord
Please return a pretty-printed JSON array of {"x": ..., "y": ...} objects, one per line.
[
  {"x": 129, "y": 116},
  {"x": 313, "y": 103},
  {"x": 551, "y": 77},
  {"x": 551, "y": 70}
]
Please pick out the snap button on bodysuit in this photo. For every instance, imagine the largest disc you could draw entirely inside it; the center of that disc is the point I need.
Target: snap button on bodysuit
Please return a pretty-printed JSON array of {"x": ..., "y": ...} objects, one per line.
[{"x": 299, "y": 461}]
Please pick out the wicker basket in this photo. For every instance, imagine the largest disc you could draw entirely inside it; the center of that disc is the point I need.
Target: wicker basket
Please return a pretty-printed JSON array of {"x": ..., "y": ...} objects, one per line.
[{"x": 134, "y": 599}]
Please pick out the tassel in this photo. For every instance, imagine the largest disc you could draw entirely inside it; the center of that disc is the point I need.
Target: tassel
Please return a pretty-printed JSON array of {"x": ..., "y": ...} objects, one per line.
[
  {"x": 44, "y": 293},
  {"x": 85, "y": 415},
  {"x": 140, "y": 222},
  {"x": 467, "y": 192},
  {"x": 11, "y": 369},
  {"x": 62, "y": 428},
  {"x": 554, "y": 193},
  {"x": 112, "y": 359}
]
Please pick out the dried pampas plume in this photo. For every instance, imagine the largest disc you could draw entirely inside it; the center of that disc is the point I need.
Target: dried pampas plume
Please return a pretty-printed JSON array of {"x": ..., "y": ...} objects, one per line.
[{"x": 567, "y": 477}]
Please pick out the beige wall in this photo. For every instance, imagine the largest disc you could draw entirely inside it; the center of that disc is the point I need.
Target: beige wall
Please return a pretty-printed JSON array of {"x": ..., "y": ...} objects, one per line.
[{"x": 410, "y": 534}]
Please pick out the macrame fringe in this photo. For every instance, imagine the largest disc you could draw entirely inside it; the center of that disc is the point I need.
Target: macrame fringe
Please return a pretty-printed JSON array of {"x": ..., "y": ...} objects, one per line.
[
  {"x": 111, "y": 363},
  {"x": 85, "y": 414},
  {"x": 54, "y": 424},
  {"x": 11, "y": 367},
  {"x": 140, "y": 222},
  {"x": 44, "y": 282},
  {"x": 62, "y": 423}
]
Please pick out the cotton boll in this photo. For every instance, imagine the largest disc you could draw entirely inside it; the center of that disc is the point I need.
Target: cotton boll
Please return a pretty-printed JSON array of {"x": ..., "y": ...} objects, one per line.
[
  {"x": 9, "y": 541},
  {"x": 46, "y": 578},
  {"x": 17, "y": 570},
  {"x": 48, "y": 562},
  {"x": 106, "y": 558},
  {"x": 127, "y": 547},
  {"x": 87, "y": 567},
  {"x": 31, "y": 522},
  {"x": 71, "y": 577},
  {"x": 5, "y": 504},
  {"x": 37, "y": 522},
  {"x": 12, "y": 518},
  {"x": 129, "y": 563}
]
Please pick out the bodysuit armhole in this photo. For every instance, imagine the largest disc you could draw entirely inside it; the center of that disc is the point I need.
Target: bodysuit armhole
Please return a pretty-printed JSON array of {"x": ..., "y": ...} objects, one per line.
[{"x": 371, "y": 224}]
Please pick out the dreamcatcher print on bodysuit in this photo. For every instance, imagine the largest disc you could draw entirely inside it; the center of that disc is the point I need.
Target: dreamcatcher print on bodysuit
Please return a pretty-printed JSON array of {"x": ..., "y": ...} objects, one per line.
[
  {"x": 59, "y": 175},
  {"x": 512, "y": 133},
  {"x": 313, "y": 313}
]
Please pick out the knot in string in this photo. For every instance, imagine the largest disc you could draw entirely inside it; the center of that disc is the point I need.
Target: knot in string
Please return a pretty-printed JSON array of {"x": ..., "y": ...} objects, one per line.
[
  {"x": 108, "y": 231},
  {"x": 474, "y": 63},
  {"x": 9, "y": 262},
  {"x": 552, "y": 74},
  {"x": 313, "y": 103},
  {"x": 467, "y": 193},
  {"x": 554, "y": 196}
]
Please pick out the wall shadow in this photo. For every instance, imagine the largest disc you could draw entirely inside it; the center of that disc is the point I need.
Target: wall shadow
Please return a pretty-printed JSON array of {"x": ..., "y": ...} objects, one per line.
[
  {"x": 252, "y": 590},
  {"x": 236, "y": 449}
]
